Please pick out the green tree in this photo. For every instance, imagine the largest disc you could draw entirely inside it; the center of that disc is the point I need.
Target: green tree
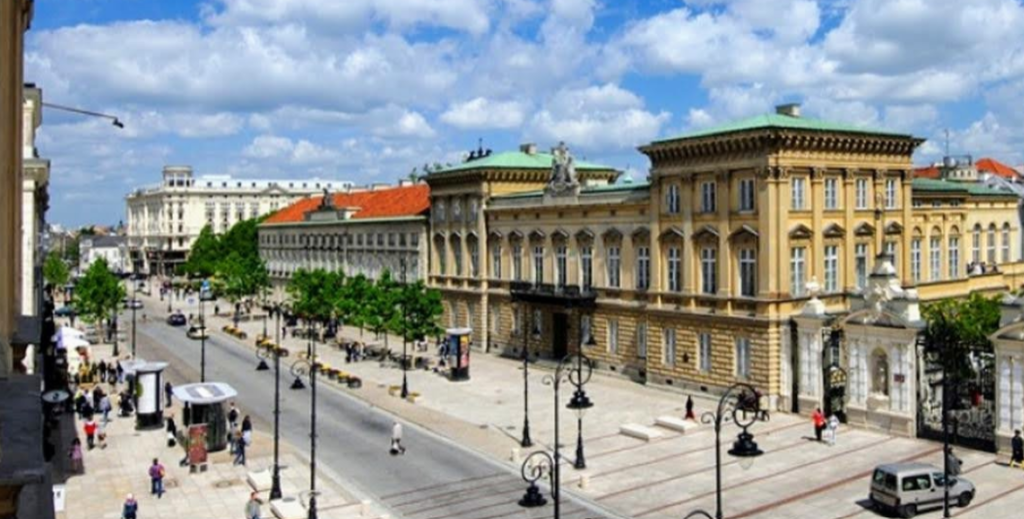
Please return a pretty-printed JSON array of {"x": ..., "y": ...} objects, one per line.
[
  {"x": 422, "y": 310},
  {"x": 98, "y": 293},
  {"x": 957, "y": 329},
  {"x": 205, "y": 256},
  {"x": 55, "y": 271},
  {"x": 72, "y": 251},
  {"x": 242, "y": 238},
  {"x": 381, "y": 309},
  {"x": 353, "y": 307},
  {"x": 241, "y": 277}
]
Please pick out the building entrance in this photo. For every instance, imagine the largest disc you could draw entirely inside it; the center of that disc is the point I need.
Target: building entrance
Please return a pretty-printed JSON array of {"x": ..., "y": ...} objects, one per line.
[{"x": 559, "y": 336}]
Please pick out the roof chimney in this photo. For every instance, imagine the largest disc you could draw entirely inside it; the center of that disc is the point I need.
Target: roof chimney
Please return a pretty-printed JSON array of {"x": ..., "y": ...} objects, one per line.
[
  {"x": 789, "y": 109},
  {"x": 528, "y": 148}
]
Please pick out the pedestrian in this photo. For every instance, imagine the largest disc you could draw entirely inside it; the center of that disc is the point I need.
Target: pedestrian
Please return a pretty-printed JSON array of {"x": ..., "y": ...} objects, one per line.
[
  {"x": 156, "y": 478},
  {"x": 953, "y": 462},
  {"x": 252, "y": 507},
  {"x": 818, "y": 419},
  {"x": 169, "y": 392},
  {"x": 112, "y": 374},
  {"x": 75, "y": 453},
  {"x": 131, "y": 508},
  {"x": 1017, "y": 447},
  {"x": 396, "y": 439},
  {"x": 232, "y": 417},
  {"x": 103, "y": 371},
  {"x": 239, "y": 448},
  {"x": 120, "y": 373},
  {"x": 90, "y": 432},
  {"x": 172, "y": 432},
  {"x": 689, "y": 409},
  {"x": 105, "y": 408},
  {"x": 97, "y": 397},
  {"x": 833, "y": 429},
  {"x": 80, "y": 403}
]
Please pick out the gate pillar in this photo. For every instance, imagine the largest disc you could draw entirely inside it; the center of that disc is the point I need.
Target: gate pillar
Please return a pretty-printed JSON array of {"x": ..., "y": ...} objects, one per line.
[{"x": 1008, "y": 342}]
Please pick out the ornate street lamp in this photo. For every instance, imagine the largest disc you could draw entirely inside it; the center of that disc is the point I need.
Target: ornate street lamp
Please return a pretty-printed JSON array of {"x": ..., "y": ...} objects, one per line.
[
  {"x": 299, "y": 369},
  {"x": 526, "y": 441},
  {"x": 741, "y": 404},
  {"x": 135, "y": 299},
  {"x": 405, "y": 336},
  {"x": 263, "y": 354},
  {"x": 540, "y": 464},
  {"x": 202, "y": 338},
  {"x": 580, "y": 402}
]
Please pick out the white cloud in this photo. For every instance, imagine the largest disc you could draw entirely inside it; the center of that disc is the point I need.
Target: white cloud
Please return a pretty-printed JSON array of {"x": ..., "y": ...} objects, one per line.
[
  {"x": 268, "y": 146},
  {"x": 482, "y": 113},
  {"x": 597, "y": 118}
]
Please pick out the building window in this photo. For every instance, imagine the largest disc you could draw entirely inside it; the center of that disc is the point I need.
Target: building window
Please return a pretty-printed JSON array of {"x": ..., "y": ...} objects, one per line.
[
  {"x": 672, "y": 199},
  {"x": 797, "y": 270},
  {"x": 614, "y": 260},
  {"x": 860, "y": 252},
  {"x": 585, "y": 330},
  {"x": 991, "y": 244},
  {"x": 211, "y": 212},
  {"x": 915, "y": 260},
  {"x": 674, "y": 270},
  {"x": 586, "y": 267},
  {"x": 890, "y": 250},
  {"x": 748, "y": 272},
  {"x": 641, "y": 340},
  {"x": 668, "y": 350},
  {"x": 797, "y": 195},
  {"x": 496, "y": 261},
  {"x": 890, "y": 193},
  {"x": 708, "y": 198},
  {"x": 538, "y": 265},
  {"x": 560, "y": 265},
  {"x": 976, "y": 245},
  {"x": 862, "y": 193},
  {"x": 704, "y": 352},
  {"x": 954, "y": 257},
  {"x": 831, "y": 193},
  {"x": 643, "y": 268},
  {"x": 517, "y": 262},
  {"x": 747, "y": 194},
  {"x": 709, "y": 270},
  {"x": 471, "y": 213},
  {"x": 613, "y": 336},
  {"x": 935, "y": 258},
  {"x": 538, "y": 327},
  {"x": 742, "y": 357},
  {"x": 457, "y": 255},
  {"x": 831, "y": 268},
  {"x": 1006, "y": 243},
  {"x": 474, "y": 258}
]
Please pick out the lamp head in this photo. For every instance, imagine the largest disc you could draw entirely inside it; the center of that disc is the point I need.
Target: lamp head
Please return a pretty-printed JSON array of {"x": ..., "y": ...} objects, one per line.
[
  {"x": 580, "y": 402},
  {"x": 117, "y": 122}
]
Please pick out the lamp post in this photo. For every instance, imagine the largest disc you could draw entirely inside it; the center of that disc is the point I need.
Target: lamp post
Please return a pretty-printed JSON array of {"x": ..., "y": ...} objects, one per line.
[
  {"x": 309, "y": 368},
  {"x": 580, "y": 402},
  {"x": 405, "y": 335},
  {"x": 114, "y": 120},
  {"x": 539, "y": 464},
  {"x": 202, "y": 338},
  {"x": 526, "y": 441},
  {"x": 113, "y": 321},
  {"x": 262, "y": 354},
  {"x": 741, "y": 404},
  {"x": 135, "y": 302}
]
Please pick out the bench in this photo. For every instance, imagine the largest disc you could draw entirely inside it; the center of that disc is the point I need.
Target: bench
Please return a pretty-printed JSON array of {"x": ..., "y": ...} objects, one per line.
[
  {"x": 288, "y": 508},
  {"x": 675, "y": 423},
  {"x": 641, "y": 432},
  {"x": 260, "y": 480}
]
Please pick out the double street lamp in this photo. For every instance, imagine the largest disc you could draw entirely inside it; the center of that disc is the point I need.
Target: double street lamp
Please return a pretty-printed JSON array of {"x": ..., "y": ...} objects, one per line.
[
  {"x": 263, "y": 354},
  {"x": 302, "y": 368},
  {"x": 576, "y": 369},
  {"x": 741, "y": 404}
]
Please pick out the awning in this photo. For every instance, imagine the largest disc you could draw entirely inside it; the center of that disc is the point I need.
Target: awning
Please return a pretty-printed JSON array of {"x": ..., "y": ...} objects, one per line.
[{"x": 204, "y": 393}]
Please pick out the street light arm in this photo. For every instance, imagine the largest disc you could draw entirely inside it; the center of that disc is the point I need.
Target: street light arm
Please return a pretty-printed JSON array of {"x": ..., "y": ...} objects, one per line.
[
  {"x": 114, "y": 120},
  {"x": 698, "y": 513}
]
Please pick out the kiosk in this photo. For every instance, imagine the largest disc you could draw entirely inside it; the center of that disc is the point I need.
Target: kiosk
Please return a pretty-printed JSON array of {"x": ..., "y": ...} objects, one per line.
[
  {"x": 204, "y": 405},
  {"x": 459, "y": 341},
  {"x": 148, "y": 392}
]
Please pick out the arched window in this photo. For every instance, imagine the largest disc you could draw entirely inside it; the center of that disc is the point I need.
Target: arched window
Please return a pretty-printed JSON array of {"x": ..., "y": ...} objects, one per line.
[
  {"x": 990, "y": 248},
  {"x": 1006, "y": 243},
  {"x": 879, "y": 373}
]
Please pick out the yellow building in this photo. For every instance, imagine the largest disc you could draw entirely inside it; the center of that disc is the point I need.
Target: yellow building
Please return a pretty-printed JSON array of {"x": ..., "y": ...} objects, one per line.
[{"x": 691, "y": 279}]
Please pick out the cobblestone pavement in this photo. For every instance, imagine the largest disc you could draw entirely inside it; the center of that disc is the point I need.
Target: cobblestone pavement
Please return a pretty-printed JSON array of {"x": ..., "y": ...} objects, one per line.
[{"x": 665, "y": 477}]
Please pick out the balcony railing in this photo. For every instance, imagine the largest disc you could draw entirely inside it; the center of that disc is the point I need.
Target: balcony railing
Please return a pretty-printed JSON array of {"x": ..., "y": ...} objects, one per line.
[{"x": 569, "y": 295}]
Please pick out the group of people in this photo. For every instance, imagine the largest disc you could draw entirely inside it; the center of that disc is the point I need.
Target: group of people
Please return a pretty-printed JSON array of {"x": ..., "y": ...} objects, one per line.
[
  {"x": 110, "y": 373},
  {"x": 239, "y": 435},
  {"x": 827, "y": 427}
]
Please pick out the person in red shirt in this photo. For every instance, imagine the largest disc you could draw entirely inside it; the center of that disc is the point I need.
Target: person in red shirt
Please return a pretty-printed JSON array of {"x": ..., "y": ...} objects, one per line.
[
  {"x": 90, "y": 432},
  {"x": 818, "y": 418}
]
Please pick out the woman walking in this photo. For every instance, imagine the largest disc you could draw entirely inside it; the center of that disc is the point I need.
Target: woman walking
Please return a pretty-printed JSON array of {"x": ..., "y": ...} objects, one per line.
[{"x": 75, "y": 454}]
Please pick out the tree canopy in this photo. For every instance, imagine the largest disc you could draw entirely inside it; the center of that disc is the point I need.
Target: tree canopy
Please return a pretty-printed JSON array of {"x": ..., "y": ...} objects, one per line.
[
  {"x": 232, "y": 258},
  {"x": 55, "y": 271},
  {"x": 957, "y": 328},
  {"x": 99, "y": 292}
]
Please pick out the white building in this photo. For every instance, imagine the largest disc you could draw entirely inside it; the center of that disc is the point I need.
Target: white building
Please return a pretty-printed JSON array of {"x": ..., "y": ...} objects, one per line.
[
  {"x": 111, "y": 248},
  {"x": 364, "y": 232},
  {"x": 164, "y": 220},
  {"x": 34, "y": 203}
]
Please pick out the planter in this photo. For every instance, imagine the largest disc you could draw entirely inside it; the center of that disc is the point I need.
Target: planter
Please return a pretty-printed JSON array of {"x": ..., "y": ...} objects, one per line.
[
  {"x": 355, "y": 383},
  {"x": 413, "y": 397},
  {"x": 393, "y": 390}
]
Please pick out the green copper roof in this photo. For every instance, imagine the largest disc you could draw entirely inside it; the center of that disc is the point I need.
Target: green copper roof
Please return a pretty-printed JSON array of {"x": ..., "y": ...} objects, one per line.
[
  {"x": 515, "y": 160},
  {"x": 927, "y": 185},
  {"x": 763, "y": 122}
]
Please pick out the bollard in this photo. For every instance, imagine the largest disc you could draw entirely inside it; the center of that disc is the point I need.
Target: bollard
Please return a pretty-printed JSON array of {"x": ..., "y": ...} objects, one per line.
[
  {"x": 365, "y": 508},
  {"x": 584, "y": 481},
  {"x": 515, "y": 456}
]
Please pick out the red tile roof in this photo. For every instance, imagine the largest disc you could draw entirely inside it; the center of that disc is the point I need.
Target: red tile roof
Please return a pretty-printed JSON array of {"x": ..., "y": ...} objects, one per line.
[
  {"x": 996, "y": 168},
  {"x": 927, "y": 172},
  {"x": 385, "y": 203}
]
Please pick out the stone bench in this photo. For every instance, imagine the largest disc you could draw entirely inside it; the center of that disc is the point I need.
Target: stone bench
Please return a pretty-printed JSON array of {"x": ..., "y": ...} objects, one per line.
[
  {"x": 676, "y": 424},
  {"x": 288, "y": 508},
  {"x": 641, "y": 432},
  {"x": 260, "y": 480}
]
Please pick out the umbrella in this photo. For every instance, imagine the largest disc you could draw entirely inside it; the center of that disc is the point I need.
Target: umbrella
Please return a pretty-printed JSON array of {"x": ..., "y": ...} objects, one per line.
[
  {"x": 71, "y": 342},
  {"x": 67, "y": 331}
]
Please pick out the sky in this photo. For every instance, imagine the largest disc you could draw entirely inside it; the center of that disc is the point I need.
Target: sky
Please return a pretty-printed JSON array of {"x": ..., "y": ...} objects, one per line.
[{"x": 367, "y": 90}]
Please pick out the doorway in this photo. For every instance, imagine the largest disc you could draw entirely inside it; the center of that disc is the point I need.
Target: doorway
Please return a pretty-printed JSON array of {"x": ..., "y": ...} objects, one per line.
[{"x": 559, "y": 336}]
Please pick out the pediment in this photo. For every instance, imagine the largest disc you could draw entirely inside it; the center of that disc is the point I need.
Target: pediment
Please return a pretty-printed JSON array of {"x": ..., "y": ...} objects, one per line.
[
  {"x": 706, "y": 232},
  {"x": 800, "y": 232},
  {"x": 834, "y": 231},
  {"x": 672, "y": 232},
  {"x": 864, "y": 229},
  {"x": 745, "y": 230},
  {"x": 894, "y": 228}
]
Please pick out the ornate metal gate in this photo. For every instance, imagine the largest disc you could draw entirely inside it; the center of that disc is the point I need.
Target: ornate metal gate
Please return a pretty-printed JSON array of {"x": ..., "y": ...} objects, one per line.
[
  {"x": 972, "y": 404},
  {"x": 834, "y": 376}
]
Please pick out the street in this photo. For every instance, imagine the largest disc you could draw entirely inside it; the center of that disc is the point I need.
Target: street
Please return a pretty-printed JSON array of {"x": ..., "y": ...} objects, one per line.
[{"x": 435, "y": 478}]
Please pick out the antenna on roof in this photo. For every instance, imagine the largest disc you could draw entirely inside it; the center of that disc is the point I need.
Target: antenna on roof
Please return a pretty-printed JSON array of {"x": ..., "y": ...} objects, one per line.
[{"x": 947, "y": 142}]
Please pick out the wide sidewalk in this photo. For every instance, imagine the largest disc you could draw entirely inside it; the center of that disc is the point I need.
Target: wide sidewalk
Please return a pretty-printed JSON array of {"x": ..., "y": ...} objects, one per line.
[
  {"x": 219, "y": 492},
  {"x": 667, "y": 476}
]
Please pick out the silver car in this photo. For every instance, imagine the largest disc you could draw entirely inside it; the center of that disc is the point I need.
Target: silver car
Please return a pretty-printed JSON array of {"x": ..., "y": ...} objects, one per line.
[{"x": 908, "y": 488}]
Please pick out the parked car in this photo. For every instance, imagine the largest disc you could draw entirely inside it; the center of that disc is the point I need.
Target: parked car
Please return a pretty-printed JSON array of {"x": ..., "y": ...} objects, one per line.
[
  {"x": 133, "y": 303},
  {"x": 64, "y": 311},
  {"x": 176, "y": 319},
  {"x": 196, "y": 332},
  {"x": 908, "y": 488}
]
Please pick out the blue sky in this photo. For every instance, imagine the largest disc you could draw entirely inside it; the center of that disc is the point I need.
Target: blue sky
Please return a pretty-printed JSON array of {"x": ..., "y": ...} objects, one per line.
[{"x": 365, "y": 90}]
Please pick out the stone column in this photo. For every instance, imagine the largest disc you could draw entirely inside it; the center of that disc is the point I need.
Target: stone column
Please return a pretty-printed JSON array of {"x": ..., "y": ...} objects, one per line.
[{"x": 810, "y": 327}]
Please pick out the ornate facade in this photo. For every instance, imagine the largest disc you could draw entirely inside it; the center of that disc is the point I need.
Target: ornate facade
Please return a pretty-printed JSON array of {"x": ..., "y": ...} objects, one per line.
[{"x": 692, "y": 279}]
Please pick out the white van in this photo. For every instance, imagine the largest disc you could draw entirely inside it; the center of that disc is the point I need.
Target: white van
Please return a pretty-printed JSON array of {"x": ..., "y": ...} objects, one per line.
[{"x": 908, "y": 488}]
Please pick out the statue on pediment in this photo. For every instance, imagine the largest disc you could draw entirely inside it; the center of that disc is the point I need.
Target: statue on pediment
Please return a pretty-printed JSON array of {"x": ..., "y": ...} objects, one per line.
[
  {"x": 328, "y": 200},
  {"x": 563, "y": 171}
]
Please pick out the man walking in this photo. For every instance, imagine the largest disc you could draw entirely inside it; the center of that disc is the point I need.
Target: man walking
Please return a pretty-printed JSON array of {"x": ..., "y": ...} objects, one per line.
[
  {"x": 156, "y": 478},
  {"x": 239, "y": 448},
  {"x": 130, "y": 510},
  {"x": 105, "y": 408},
  {"x": 168, "y": 392},
  {"x": 252, "y": 507},
  {"x": 818, "y": 419},
  {"x": 232, "y": 417},
  {"x": 396, "y": 439},
  {"x": 1017, "y": 447}
]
